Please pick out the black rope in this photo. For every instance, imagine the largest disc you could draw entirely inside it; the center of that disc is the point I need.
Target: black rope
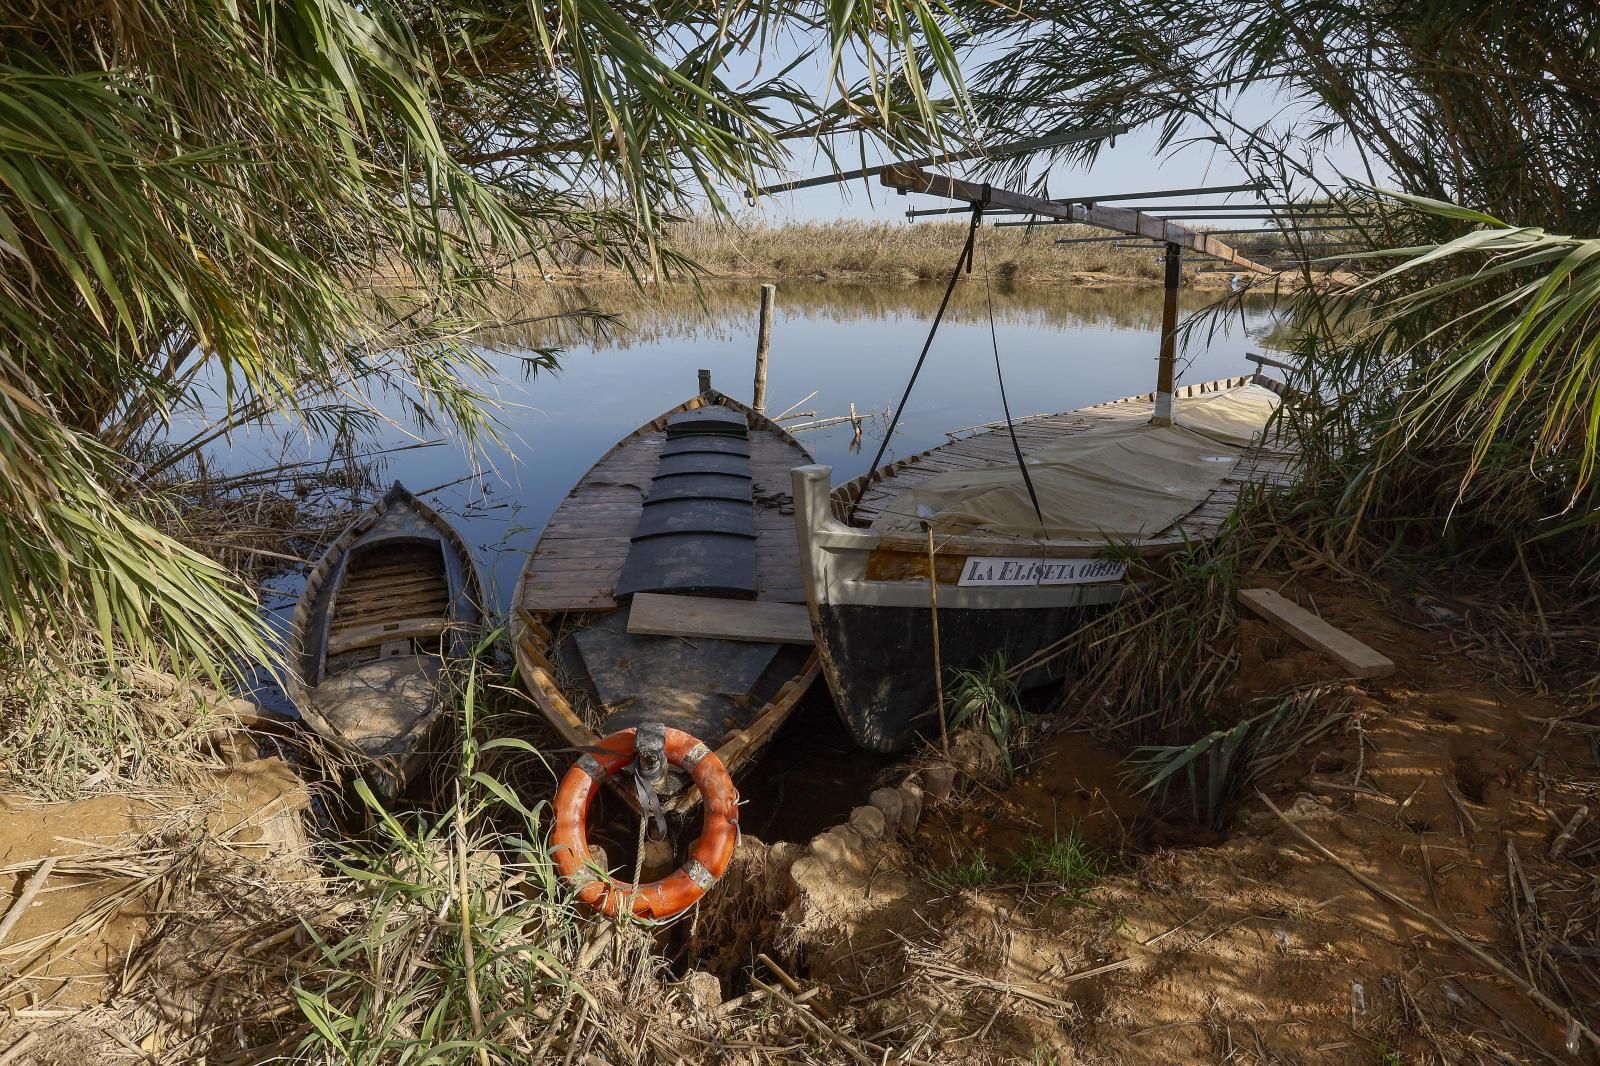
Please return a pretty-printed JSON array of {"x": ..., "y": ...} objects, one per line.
[
  {"x": 1005, "y": 405},
  {"x": 962, "y": 260}
]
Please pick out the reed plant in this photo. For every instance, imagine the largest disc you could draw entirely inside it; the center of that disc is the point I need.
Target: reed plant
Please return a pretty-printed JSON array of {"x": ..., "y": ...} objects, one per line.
[
  {"x": 1220, "y": 766},
  {"x": 465, "y": 945},
  {"x": 987, "y": 699}
]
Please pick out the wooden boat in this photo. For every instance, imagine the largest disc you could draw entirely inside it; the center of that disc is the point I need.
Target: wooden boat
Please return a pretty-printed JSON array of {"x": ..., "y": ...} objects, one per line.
[
  {"x": 393, "y": 601},
  {"x": 666, "y": 588},
  {"x": 1008, "y": 590}
]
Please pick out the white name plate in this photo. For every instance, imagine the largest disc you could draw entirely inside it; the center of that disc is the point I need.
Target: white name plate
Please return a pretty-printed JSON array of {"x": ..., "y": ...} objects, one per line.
[{"x": 1005, "y": 571}]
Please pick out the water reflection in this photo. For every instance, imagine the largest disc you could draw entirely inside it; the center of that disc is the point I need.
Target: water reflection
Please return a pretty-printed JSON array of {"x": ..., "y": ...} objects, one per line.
[
  {"x": 1061, "y": 347},
  {"x": 678, "y": 312}
]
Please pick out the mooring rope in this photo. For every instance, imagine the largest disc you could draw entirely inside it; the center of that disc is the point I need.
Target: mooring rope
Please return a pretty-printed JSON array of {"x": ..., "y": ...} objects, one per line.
[
  {"x": 1005, "y": 405},
  {"x": 965, "y": 258}
]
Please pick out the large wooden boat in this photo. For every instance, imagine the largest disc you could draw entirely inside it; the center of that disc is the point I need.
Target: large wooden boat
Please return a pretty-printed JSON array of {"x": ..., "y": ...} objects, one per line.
[
  {"x": 1116, "y": 487},
  {"x": 666, "y": 588},
  {"x": 394, "y": 600}
]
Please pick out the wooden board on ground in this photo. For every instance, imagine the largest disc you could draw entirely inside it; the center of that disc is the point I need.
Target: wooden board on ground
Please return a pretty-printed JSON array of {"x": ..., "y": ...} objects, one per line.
[
  {"x": 1356, "y": 657},
  {"x": 700, "y": 616}
]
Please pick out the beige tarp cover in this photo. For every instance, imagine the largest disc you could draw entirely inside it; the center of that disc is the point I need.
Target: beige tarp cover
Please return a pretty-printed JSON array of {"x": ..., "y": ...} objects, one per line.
[{"x": 1122, "y": 478}]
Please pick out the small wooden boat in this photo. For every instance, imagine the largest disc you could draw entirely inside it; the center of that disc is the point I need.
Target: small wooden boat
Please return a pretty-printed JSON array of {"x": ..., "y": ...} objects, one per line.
[
  {"x": 666, "y": 588},
  {"x": 1114, "y": 486},
  {"x": 393, "y": 601}
]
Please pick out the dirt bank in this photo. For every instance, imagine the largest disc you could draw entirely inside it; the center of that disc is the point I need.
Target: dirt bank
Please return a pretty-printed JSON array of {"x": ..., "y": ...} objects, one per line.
[
  {"x": 1445, "y": 790},
  {"x": 1057, "y": 916}
]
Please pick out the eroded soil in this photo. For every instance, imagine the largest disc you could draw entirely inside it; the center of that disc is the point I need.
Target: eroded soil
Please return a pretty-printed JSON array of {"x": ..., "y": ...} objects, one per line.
[{"x": 1442, "y": 787}]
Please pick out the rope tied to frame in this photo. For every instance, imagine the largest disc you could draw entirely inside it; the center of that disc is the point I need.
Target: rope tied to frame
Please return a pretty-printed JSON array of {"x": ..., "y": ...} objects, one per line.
[{"x": 963, "y": 261}]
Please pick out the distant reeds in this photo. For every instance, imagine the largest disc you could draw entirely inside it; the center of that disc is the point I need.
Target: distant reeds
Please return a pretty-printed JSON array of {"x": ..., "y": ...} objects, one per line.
[{"x": 900, "y": 251}]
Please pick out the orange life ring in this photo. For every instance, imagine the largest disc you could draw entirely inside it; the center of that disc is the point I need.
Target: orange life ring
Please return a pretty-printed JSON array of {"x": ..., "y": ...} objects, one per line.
[{"x": 708, "y": 856}]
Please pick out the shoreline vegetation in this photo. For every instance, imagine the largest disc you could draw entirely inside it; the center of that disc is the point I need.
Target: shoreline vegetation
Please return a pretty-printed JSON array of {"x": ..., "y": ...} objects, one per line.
[
  {"x": 1281, "y": 862},
  {"x": 899, "y": 252}
]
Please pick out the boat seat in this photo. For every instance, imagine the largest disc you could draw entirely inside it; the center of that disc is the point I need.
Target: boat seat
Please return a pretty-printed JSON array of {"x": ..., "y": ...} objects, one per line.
[
  {"x": 706, "y": 444},
  {"x": 711, "y": 419},
  {"x": 681, "y": 463},
  {"x": 696, "y": 515},
  {"x": 697, "y": 486},
  {"x": 697, "y": 529},
  {"x": 366, "y": 636}
]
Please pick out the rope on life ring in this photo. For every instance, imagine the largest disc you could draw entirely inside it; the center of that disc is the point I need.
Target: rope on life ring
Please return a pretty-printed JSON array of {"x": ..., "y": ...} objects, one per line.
[{"x": 708, "y": 856}]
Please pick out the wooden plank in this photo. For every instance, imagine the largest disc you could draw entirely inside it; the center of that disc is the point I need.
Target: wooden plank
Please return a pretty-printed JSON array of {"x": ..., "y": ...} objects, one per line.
[
  {"x": 377, "y": 633},
  {"x": 542, "y": 565},
  {"x": 566, "y": 601},
  {"x": 1120, "y": 219},
  {"x": 590, "y": 548},
  {"x": 1357, "y": 658},
  {"x": 700, "y": 616}
]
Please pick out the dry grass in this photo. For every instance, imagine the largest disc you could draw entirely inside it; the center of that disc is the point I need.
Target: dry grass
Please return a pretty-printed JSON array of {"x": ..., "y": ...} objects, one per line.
[
  {"x": 68, "y": 729},
  {"x": 925, "y": 251}
]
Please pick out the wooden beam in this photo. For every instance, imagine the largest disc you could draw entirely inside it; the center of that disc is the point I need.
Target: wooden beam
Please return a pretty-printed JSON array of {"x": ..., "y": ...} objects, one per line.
[
  {"x": 380, "y": 632},
  {"x": 1035, "y": 144},
  {"x": 757, "y": 622},
  {"x": 1259, "y": 359},
  {"x": 1355, "y": 657},
  {"x": 1202, "y": 190},
  {"x": 1119, "y": 219}
]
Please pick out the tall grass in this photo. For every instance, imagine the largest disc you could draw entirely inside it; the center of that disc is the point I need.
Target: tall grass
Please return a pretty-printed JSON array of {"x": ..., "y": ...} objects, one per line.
[
  {"x": 987, "y": 699},
  {"x": 467, "y": 938},
  {"x": 1221, "y": 765}
]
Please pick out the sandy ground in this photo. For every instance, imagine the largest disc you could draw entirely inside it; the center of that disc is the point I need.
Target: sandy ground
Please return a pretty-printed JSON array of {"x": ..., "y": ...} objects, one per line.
[{"x": 145, "y": 922}]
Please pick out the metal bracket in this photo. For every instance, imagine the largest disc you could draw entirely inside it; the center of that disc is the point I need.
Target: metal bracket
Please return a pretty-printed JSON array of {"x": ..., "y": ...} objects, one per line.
[{"x": 650, "y": 754}]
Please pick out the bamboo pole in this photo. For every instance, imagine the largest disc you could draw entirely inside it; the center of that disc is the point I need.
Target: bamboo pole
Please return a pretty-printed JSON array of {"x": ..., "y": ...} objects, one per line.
[{"x": 938, "y": 667}]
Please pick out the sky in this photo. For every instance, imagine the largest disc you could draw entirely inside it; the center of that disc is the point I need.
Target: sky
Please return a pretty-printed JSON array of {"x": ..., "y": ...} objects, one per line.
[{"x": 1133, "y": 164}]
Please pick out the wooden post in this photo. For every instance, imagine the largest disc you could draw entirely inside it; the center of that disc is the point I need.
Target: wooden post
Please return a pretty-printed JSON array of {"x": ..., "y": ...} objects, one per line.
[
  {"x": 938, "y": 667},
  {"x": 769, "y": 295},
  {"x": 1165, "y": 369},
  {"x": 705, "y": 381}
]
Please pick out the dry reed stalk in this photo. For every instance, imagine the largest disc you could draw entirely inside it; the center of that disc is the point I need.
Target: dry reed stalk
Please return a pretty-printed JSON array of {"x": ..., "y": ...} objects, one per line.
[
  {"x": 19, "y": 906},
  {"x": 1566, "y": 1017},
  {"x": 933, "y": 618}
]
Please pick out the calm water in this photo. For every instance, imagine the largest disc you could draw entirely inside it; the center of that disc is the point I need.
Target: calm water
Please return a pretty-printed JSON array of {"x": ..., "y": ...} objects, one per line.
[{"x": 1060, "y": 348}]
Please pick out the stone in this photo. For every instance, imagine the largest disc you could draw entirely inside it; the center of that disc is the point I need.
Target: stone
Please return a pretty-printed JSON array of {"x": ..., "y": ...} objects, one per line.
[
  {"x": 976, "y": 754},
  {"x": 910, "y": 806},
  {"x": 869, "y": 822},
  {"x": 888, "y": 801},
  {"x": 938, "y": 780},
  {"x": 839, "y": 846},
  {"x": 782, "y": 855},
  {"x": 703, "y": 989},
  {"x": 806, "y": 871}
]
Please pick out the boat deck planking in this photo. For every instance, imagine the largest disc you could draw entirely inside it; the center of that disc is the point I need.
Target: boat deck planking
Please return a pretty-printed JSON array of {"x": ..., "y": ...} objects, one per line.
[
  {"x": 581, "y": 552},
  {"x": 1268, "y": 463}
]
